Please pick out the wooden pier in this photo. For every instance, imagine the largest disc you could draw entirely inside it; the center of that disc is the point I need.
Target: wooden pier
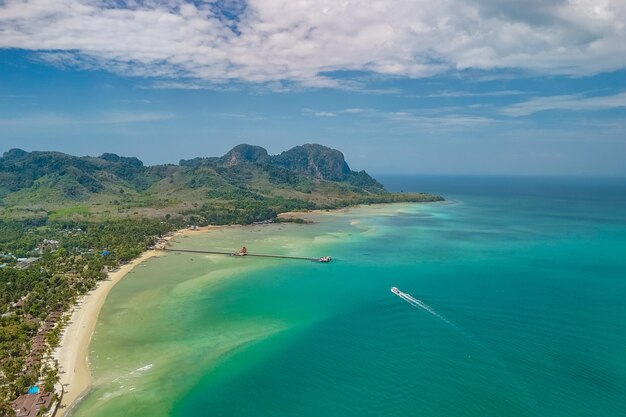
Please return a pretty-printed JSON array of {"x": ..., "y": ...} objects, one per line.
[{"x": 238, "y": 254}]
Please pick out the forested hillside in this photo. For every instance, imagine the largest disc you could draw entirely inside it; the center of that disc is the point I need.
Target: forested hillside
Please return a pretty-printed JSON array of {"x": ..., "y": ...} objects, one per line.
[
  {"x": 245, "y": 185},
  {"x": 65, "y": 221}
]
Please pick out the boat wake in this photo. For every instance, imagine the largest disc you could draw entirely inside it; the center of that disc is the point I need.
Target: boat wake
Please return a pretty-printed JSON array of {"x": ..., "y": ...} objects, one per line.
[
  {"x": 420, "y": 304},
  {"x": 425, "y": 307}
]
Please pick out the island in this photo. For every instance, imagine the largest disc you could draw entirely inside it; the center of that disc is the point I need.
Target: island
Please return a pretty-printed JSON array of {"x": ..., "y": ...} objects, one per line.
[{"x": 68, "y": 223}]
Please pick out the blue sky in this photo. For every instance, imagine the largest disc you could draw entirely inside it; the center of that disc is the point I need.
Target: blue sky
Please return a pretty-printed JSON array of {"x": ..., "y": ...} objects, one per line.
[{"x": 460, "y": 87}]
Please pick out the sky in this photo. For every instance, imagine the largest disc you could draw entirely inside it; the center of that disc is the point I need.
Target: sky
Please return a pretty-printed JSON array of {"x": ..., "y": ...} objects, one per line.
[{"x": 526, "y": 87}]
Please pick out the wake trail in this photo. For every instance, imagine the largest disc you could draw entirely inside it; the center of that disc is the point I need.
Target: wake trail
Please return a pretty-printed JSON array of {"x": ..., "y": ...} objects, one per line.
[
  {"x": 491, "y": 354},
  {"x": 420, "y": 304},
  {"x": 425, "y": 307}
]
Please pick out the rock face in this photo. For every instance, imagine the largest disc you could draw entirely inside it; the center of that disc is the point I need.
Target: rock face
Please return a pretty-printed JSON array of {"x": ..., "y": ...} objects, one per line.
[
  {"x": 314, "y": 160},
  {"x": 310, "y": 160},
  {"x": 244, "y": 153},
  {"x": 14, "y": 153},
  {"x": 129, "y": 161},
  {"x": 58, "y": 176}
]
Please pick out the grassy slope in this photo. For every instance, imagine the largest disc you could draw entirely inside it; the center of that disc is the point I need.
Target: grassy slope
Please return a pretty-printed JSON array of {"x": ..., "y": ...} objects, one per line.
[{"x": 181, "y": 190}]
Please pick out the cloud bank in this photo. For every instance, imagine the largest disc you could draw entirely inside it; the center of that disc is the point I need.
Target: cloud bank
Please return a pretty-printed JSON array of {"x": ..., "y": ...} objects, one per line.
[
  {"x": 571, "y": 102},
  {"x": 307, "y": 42}
]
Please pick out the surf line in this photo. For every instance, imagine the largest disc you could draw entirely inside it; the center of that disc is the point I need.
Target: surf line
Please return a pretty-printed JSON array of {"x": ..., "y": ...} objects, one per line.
[{"x": 419, "y": 304}]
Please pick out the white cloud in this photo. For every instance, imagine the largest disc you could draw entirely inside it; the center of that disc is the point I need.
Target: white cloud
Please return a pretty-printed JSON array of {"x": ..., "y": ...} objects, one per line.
[
  {"x": 133, "y": 101},
  {"x": 128, "y": 117},
  {"x": 455, "y": 94},
  {"x": 334, "y": 113},
  {"x": 424, "y": 120},
  {"x": 573, "y": 102},
  {"x": 305, "y": 41},
  {"x": 17, "y": 96},
  {"x": 240, "y": 116},
  {"x": 354, "y": 110},
  {"x": 318, "y": 113},
  {"x": 102, "y": 119},
  {"x": 450, "y": 122}
]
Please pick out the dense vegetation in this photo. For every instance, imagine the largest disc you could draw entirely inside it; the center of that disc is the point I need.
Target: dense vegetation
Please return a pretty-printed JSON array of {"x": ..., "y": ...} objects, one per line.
[
  {"x": 80, "y": 217},
  {"x": 80, "y": 255},
  {"x": 242, "y": 186}
]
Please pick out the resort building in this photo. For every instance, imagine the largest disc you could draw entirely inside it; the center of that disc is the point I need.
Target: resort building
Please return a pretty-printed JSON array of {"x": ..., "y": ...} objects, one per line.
[{"x": 28, "y": 405}]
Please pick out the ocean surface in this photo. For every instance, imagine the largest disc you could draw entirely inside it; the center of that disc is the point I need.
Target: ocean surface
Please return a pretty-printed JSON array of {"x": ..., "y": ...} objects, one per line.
[{"x": 524, "y": 280}]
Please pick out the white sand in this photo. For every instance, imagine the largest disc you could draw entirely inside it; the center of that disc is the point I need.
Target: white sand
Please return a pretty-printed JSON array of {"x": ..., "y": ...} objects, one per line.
[
  {"x": 74, "y": 347},
  {"x": 72, "y": 353}
]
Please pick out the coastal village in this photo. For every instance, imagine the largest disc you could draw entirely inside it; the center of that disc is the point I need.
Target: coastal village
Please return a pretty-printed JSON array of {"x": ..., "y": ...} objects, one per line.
[{"x": 44, "y": 395}]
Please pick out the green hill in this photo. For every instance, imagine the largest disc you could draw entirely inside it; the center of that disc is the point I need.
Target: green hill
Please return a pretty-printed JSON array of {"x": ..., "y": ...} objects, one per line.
[
  {"x": 80, "y": 217},
  {"x": 245, "y": 185}
]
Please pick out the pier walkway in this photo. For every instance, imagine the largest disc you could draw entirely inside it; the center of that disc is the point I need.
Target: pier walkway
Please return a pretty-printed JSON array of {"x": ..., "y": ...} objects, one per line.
[{"x": 260, "y": 255}]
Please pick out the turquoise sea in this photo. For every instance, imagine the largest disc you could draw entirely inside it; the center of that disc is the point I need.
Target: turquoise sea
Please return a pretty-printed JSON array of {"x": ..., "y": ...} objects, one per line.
[{"x": 526, "y": 277}]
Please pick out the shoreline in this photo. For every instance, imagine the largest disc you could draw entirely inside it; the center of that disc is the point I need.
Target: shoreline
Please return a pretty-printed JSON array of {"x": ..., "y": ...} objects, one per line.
[
  {"x": 296, "y": 214},
  {"x": 72, "y": 353},
  {"x": 303, "y": 214}
]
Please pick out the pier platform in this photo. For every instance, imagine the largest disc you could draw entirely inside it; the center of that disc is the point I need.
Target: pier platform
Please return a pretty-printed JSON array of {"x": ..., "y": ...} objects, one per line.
[{"x": 324, "y": 259}]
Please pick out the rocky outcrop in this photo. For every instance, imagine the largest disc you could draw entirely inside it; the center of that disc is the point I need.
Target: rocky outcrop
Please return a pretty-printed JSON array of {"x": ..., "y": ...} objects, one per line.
[
  {"x": 244, "y": 153},
  {"x": 315, "y": 160}
]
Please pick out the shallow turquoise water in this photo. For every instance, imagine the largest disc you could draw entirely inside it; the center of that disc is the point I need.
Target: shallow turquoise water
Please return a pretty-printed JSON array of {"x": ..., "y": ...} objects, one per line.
[{"x": 528, "y": 277}]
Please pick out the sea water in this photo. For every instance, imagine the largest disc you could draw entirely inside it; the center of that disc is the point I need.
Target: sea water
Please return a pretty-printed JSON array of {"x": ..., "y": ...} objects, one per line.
[{"x": 529, "y": 274}]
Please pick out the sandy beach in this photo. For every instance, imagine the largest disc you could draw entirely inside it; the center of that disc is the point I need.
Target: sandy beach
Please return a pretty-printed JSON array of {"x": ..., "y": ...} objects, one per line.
[
  {"x": 73, "y": 351},
  {"x": 295, "y": 214}
]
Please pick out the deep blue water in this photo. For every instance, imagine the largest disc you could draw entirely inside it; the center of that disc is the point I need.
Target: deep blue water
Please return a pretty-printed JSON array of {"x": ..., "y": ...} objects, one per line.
[
  {"x": 529, "y": 273},
  {"x": 527, "y": 277}
]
